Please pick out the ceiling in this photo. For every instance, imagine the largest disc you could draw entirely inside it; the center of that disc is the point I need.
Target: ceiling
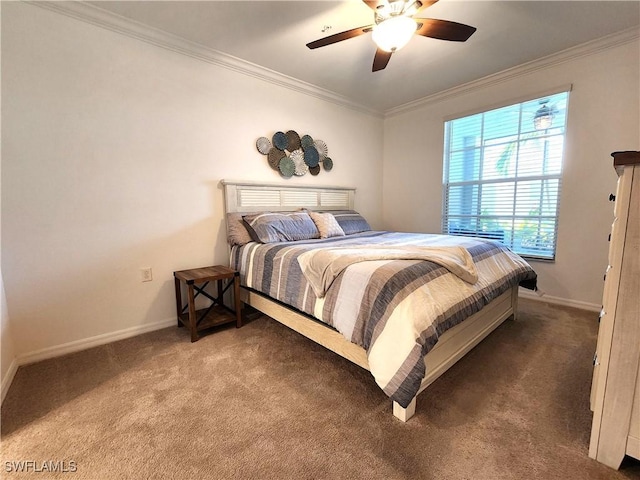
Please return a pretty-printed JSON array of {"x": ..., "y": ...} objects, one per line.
[{"x": 273, "y": 34}]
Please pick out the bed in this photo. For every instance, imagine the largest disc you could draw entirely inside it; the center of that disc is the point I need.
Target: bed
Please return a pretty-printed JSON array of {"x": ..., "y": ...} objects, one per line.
[{"x": 404, "y": 306}]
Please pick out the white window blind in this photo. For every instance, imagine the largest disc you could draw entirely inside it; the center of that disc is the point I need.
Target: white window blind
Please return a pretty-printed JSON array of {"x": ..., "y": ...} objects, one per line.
[{"x": 502, "y": 177}]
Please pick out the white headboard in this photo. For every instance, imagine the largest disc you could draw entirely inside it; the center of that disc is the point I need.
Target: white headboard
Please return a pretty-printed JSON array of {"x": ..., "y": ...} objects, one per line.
[{"x": 257, "y": 197}]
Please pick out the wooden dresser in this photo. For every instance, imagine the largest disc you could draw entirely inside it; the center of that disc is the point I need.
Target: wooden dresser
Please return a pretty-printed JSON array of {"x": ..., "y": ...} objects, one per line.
[{"x": 615, "y": 390}]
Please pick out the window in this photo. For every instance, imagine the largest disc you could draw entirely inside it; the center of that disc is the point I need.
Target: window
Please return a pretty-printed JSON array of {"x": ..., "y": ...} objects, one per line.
[{"x": 502, "y": 176}]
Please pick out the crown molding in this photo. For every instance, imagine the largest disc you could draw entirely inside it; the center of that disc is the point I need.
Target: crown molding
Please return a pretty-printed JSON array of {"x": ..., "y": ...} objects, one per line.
[
  {"x": 116, "y": 23},
  {"x": 102, "y": 18},
  {"x": 572, "y": 53}
]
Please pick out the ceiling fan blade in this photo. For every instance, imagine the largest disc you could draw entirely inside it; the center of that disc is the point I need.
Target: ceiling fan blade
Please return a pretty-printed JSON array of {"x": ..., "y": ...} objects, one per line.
[
  {"x": 381, "y": 60},
  {"x": 444, "y": 29},
  {"x": 339, "y": 37}
]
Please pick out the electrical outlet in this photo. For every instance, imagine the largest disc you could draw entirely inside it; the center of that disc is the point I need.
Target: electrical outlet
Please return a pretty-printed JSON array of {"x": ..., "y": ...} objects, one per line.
[{"x": 146, "y": 274}]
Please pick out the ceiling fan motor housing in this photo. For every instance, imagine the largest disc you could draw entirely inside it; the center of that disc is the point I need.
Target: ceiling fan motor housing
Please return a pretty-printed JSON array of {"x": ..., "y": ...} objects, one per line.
[{"x": 394, "y": 8}]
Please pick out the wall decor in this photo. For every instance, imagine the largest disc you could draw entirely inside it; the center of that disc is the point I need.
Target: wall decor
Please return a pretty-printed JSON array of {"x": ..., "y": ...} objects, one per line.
[
  {"x": 287, "y": 167},
  {"x": 293, "y": 140},
  {"x": 291, "y": 154},
  {"x": 264, "y": 145},
  {"x": 274, "y": 157}
]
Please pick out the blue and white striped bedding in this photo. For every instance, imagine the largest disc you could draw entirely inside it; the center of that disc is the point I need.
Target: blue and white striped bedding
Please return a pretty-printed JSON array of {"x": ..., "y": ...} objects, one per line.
[{"x": 396, "y": 309}]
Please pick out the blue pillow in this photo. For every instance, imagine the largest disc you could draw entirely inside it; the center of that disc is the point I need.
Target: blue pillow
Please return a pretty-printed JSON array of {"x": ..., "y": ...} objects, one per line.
[
  {"x": 351, "y": 222},
  {"x": 268, "y": 227}
]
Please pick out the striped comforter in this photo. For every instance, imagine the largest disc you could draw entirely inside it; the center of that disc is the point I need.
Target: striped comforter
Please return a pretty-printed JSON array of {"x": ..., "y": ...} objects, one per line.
[{"x": 396, "y": 309}]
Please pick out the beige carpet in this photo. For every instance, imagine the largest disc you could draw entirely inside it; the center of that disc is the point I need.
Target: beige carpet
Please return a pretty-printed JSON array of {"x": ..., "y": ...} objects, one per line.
[{"x": 263, "y": 402}]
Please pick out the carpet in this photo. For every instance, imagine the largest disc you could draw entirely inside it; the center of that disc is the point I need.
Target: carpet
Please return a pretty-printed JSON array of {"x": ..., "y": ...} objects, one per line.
[{"x": 263, "y": 402}]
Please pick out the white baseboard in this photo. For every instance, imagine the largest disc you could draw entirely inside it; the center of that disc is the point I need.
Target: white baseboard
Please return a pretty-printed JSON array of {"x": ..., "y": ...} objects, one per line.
[
  {"x": 592, "y": 307},
  {"x": 8, "y": 378},
  {"x": 76, "y": 346},
  {"x": 86, "y": 343}
]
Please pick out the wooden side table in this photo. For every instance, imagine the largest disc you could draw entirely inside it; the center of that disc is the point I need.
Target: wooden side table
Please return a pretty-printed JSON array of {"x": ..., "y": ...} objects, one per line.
[{"x": 217, "y": 313}]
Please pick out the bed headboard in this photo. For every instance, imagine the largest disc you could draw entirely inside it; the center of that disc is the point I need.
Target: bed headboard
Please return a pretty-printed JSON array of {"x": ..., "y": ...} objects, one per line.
[{"x": 247, "y": 197}]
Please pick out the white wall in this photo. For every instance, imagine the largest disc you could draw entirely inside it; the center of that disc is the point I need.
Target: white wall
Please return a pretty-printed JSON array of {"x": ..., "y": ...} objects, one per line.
[
  {"x": 112, "y": 154},
  {"x": 604, "y": 110},
  {"x": 7, "y": 352}
]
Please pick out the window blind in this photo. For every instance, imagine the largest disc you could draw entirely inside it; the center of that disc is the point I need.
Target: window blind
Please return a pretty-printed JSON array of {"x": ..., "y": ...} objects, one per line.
[{"x": 502, "y": 177}]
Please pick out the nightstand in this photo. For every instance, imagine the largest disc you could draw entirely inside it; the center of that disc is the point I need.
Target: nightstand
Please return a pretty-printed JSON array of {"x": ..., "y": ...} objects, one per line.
[{"x": 196, "y": 280}]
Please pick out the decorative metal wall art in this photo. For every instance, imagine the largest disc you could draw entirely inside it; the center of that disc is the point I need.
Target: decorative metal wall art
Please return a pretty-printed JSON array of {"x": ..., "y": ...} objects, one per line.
[{"x": 290, "y": 154}]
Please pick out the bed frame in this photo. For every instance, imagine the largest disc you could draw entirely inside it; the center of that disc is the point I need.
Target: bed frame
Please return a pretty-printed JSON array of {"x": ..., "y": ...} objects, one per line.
[{"x": 452, "y": 345}]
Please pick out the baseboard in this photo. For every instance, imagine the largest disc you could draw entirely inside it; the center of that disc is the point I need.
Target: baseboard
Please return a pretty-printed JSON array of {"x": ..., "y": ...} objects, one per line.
[
  {"x": 592, "y": 307},
  {"x": 86, "y": 343},
  {"x": 8, "y": 378}
]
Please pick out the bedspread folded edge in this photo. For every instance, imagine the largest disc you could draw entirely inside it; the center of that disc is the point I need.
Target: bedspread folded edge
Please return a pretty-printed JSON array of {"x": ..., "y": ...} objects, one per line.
[{"x": 322, "y": 267}]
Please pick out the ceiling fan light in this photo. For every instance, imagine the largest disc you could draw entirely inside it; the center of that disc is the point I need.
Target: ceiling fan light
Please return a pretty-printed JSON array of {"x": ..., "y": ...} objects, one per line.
[{"x": 394, "y": 33}]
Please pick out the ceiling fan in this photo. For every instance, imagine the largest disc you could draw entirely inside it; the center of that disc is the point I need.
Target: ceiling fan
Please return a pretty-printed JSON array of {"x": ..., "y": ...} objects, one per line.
[{"x": 395, "y": 25}]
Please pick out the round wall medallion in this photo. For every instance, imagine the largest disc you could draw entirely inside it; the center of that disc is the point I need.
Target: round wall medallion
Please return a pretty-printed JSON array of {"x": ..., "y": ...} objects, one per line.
[
  {"x": 293, "y": 140},
  {"x": 298, "y": 159},
  {"x": 280, "y": 140},
  {"x": 327, "y": 163},
  {"x": 274, "y": 157},
  {"x": 311, "y": 156},
  {"x": 287, "y": 167},
  {"x": 306, "y": 141},
  {"x": 264, "y": 145},
  {"x": 301, "y": 169},
  {"x": 323, "y": 151}
]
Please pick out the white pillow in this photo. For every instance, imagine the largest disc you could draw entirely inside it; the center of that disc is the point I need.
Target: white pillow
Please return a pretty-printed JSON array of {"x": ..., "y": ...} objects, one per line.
[{"x": 327, "y": 225}]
